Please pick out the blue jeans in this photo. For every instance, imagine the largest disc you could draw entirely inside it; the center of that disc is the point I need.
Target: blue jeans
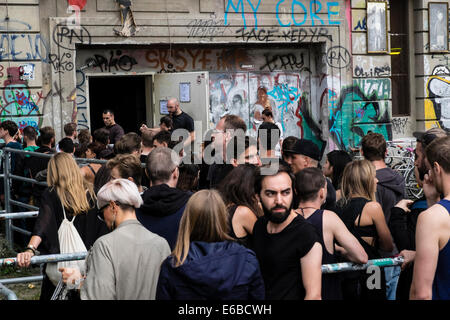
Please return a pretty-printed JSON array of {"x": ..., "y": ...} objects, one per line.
[{"x": 392, "y": 274}]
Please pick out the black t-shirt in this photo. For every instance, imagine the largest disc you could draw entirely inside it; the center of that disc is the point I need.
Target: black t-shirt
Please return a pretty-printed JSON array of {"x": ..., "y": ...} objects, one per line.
[
  {"x": 279, "y": 257},
  {"x": 183, "y": 121},
  {"x": 115, "y": 133}
]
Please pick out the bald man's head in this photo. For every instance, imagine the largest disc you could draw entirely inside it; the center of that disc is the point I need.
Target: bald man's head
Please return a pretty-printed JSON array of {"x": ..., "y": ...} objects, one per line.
[{"x": 173, "y": 106}]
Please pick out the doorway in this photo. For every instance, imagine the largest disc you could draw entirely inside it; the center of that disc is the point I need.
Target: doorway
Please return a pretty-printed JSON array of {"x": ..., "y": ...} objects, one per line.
[{"x": 124, "y": 95}]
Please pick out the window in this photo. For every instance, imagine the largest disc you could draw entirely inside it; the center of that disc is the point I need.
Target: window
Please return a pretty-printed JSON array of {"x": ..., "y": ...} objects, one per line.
[{"x": 400, "y": 62}]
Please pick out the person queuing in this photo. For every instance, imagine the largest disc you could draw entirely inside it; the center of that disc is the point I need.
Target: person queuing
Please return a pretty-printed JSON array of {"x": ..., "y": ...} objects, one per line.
[
  {"x": 115, "y": 131},
  {"x": 404, "y": 215},
  {"x": 124, "y": 264},
  {"x": 68, "y": 196},
  {"x": 334, "y": 167},
  {"x": 431, "y": 276},
  {"x": 303, "y": 154},
  {"x": 311, "y": 188},
  {"x": 286, "y": 245},
  {"x": 93, "y": 151},
  {"x": 390, "y": 190},
  {"x": 364, "y": 218},
  {"x": 222, "y": 135},
  {"x": 237, "y": 190},
  {"x": 206, "y": 263},
  {"x": 163, "y": 203}
]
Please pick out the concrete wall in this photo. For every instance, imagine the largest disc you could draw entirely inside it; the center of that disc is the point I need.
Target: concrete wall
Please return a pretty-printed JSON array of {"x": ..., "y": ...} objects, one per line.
[{"x": 348, "y": 91}]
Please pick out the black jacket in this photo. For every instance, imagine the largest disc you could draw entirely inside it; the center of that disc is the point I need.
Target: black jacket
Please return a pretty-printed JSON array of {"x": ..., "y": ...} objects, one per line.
[
  {"x": 162, "y": 210},
  {"x": 390, "y": 190}
]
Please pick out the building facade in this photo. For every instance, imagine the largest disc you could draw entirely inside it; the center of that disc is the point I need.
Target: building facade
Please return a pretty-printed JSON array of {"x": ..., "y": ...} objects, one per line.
[{"x": 330, "y": 70}]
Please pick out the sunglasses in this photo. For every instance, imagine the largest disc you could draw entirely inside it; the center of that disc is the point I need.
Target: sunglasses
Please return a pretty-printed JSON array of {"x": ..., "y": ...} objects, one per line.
[{"x": 100, "y": 214}]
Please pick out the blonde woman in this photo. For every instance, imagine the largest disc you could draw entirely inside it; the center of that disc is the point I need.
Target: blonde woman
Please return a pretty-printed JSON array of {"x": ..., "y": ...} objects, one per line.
[
  {"x": 206, "y": 263},
  {"x": 364, "y": 218},
  {"x": 68, "y": 189}
]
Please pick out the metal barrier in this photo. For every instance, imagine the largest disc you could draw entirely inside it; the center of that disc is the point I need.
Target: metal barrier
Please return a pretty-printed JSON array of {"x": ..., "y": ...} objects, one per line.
[
  {"x": 7, "y": 176},
  {"x": 34, "y": 260},
  {"x": 326, "y": 268},
  {"x": 9, "y": 294},
  {"x": 46, "y": 258}
]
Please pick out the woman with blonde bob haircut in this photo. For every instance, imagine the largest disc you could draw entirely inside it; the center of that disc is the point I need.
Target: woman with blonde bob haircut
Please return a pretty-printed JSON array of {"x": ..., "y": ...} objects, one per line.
[
  {"x": 206, "y": 262},
  {"x": 124, "y": 264},
  {"x": 364, "y": 218},
  {"x": 70, "y": 197}
]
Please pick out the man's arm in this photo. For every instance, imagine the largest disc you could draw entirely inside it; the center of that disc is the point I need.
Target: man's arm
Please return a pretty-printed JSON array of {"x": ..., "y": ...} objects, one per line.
[
  {"x": 311, "y": 266},
  {"x": 427, "y": 252}
]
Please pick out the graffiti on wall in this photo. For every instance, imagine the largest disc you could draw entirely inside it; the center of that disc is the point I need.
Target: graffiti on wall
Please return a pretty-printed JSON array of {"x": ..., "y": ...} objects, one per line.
[
  {"x": 228, "y": 95},
  {"x": 23, "y": 46},
  {"x": 300, "y": 12},
  {"x": 18, "y": 103},
  {"x": 361, "y": 108},
  {"x": 437, "y": 104}
]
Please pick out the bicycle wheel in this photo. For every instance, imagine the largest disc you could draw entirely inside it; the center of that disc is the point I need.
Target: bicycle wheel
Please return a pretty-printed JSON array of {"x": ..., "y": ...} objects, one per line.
[{"x": 413, "y": 190}]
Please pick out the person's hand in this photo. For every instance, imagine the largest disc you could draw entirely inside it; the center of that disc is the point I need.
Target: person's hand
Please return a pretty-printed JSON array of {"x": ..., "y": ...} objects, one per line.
[
  {"x": 404, "y": 204},
  {"x": 24, "y": 259},
  {"x": 143, "y": 127},
  {"x": 408, "y": 257},
  {"x": 70, "y": 276}
]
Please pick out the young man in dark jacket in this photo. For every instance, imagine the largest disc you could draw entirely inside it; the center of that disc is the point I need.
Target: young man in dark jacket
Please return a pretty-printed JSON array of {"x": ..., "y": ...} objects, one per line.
[
  {"x": 163, "y": 202},
  {"x": 390, "y": 190}
]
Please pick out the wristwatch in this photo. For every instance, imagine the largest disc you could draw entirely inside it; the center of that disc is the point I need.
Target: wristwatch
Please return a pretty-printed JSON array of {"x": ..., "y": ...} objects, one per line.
[{"x": 33, "y": 249}]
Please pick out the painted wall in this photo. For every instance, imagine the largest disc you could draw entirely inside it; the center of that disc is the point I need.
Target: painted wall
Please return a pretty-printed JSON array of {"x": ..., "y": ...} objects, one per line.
[{"x": 311, "y": 56}]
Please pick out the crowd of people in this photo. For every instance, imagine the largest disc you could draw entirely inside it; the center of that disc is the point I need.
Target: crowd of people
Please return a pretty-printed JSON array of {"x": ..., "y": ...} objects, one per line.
[{"x": 157, "y": 227}]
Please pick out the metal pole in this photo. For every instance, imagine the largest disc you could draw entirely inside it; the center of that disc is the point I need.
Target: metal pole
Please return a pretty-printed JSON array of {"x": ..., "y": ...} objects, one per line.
[
  {"x": 349, "y": 266},
  {"x": 24, "y": 205},
  {"x": 20, "y": 230},
  {"x": 19, "y": 215},
  {"x": 9, "y": 294},
  {"x": 46, "y": 258},
  {"x": 8, "y": 231},
  {"x": 21, "y": 280}
]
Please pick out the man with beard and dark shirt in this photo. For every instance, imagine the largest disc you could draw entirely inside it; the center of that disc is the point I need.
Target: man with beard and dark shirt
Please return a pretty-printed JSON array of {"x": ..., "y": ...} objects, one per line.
[
  {"x": 163, "y": 202},
  {"x": 405, "y": 213},
  {"x": 286, "y": 245},
  {"x": 390, "y": 190},
  {"x": 180, "y": 119},
  {"x": 304, "y": 153}
]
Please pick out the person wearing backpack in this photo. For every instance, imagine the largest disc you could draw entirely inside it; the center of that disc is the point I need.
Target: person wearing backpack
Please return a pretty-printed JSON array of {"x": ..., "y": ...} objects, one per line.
[
  {"x": 68, "y": 201},
  {"x": 364, "y": 218}
]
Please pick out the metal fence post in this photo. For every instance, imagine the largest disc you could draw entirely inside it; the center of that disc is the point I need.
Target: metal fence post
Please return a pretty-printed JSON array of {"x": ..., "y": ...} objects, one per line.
[
  {"x": 7, "y": 191},
  {"x": 9, "y": 294}
]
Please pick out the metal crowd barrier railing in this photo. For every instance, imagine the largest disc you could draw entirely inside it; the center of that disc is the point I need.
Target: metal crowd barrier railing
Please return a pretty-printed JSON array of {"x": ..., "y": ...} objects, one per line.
[
  {"x": 6, "y": 214},
  {"x": 326, "y": 268}
]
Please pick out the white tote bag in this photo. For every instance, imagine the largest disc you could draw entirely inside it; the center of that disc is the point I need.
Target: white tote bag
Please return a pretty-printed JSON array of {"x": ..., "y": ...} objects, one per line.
[{"x": 69, "y": 242}]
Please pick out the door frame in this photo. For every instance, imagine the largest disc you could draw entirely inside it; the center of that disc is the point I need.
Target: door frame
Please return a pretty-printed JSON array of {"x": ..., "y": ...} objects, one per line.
[{"x": 149, "y": 96}]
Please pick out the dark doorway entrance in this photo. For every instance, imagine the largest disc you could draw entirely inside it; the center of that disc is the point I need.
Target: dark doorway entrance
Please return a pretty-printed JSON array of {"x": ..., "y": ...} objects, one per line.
[{"x": 125, "y": 95}]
